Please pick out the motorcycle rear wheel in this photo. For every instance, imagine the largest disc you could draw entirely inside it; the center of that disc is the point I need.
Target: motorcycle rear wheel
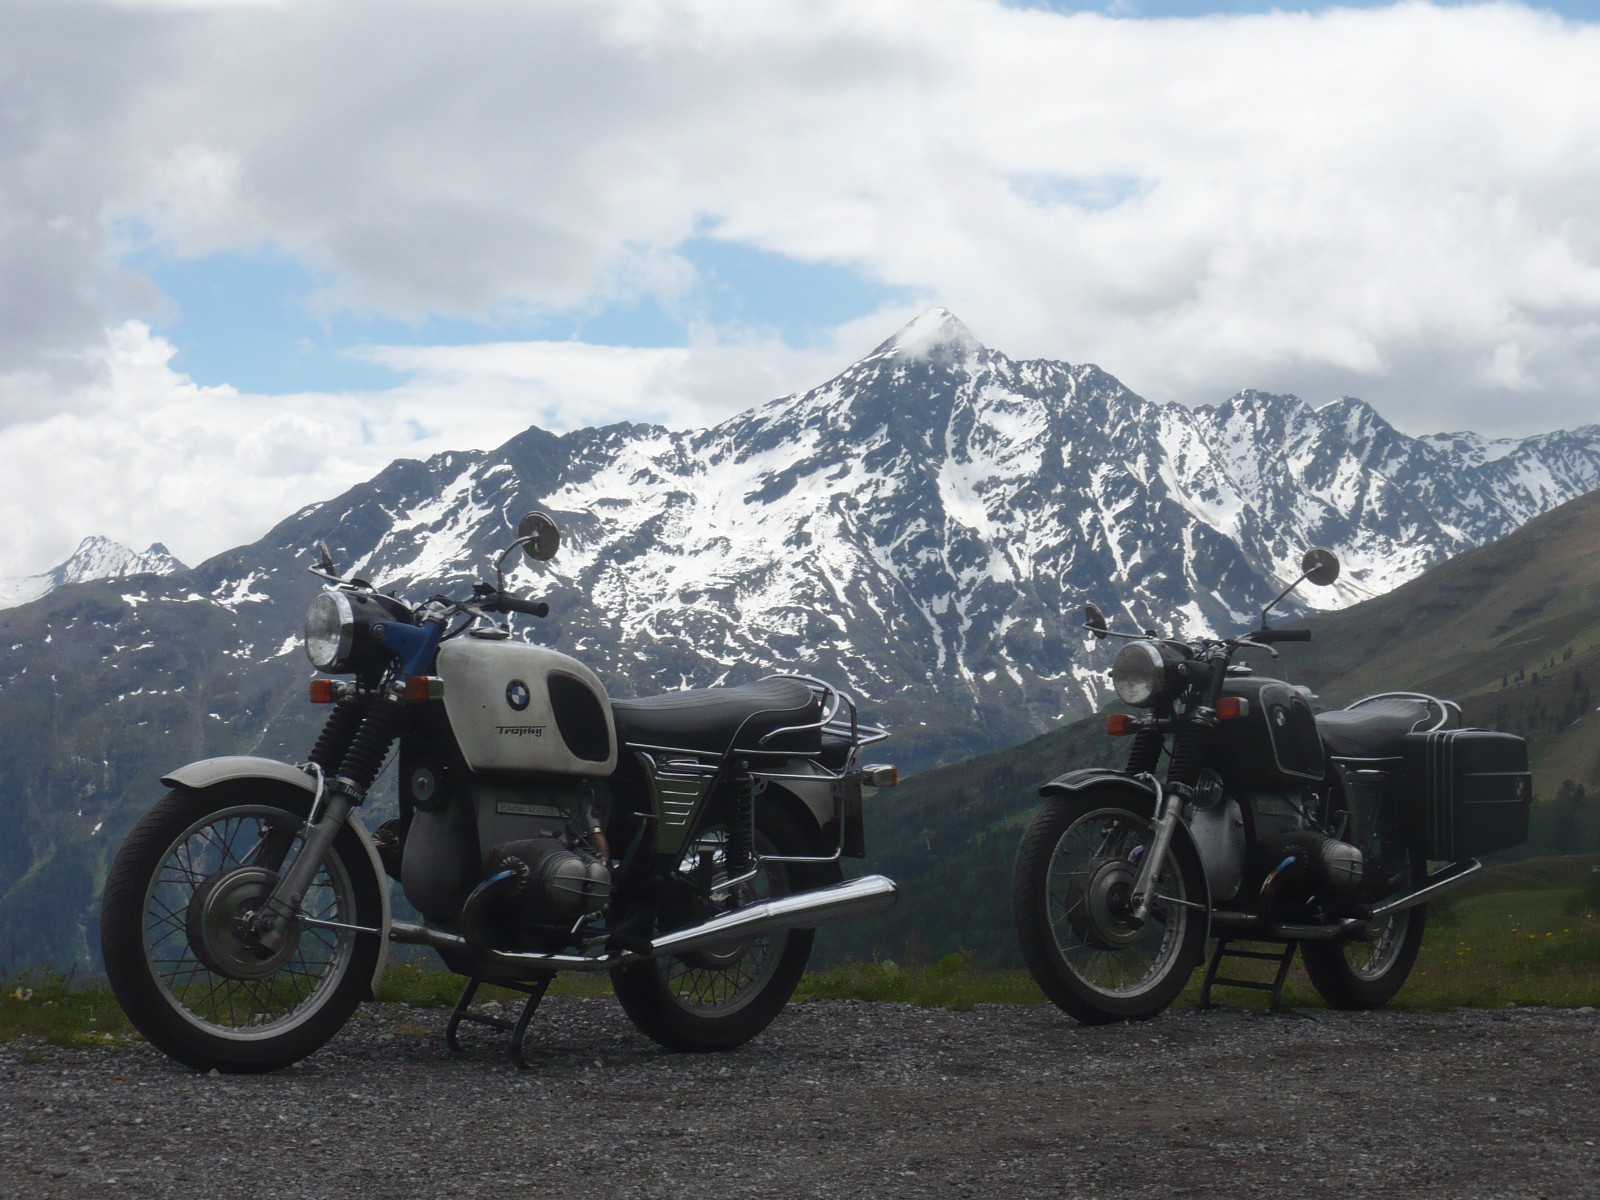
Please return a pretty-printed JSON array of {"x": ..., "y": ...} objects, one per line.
[
  {"x": 719, "y": 999},
  {"x": 1368, "y": 971},
  {"x": 187, "y": 874},
  {"x": 1073, "y": 917}
]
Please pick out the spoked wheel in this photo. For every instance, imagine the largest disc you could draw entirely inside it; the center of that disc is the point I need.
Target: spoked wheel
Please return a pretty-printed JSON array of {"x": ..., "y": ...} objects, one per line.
[
  {"x": 1366, "y": 971},
  {"x": 721, "y": 997},
  {"x": 1072, "y": 901},
  {"x": 175, "y": 930}
]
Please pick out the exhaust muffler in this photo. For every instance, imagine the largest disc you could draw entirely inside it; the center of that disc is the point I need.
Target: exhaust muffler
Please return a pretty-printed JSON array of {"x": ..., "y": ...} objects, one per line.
[{"x": 864, "y": 897}]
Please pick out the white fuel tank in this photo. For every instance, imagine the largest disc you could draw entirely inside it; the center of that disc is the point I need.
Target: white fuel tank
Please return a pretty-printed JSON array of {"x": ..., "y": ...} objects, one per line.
[{"x": 516, "y": 707}]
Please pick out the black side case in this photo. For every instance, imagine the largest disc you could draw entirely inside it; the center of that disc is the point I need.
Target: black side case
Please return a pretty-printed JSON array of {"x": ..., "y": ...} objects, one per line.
[{"x": 1466, "y": 791}]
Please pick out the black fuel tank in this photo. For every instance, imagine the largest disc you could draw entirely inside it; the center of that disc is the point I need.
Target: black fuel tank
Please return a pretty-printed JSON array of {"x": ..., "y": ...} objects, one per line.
[{"x": 1274, "y": 744}]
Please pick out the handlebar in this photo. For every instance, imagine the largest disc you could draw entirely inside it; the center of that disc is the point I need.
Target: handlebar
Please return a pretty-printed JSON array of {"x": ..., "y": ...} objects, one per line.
[
  {"x": 1268, "y": 636},
  {"x": 498, "y": 601}
]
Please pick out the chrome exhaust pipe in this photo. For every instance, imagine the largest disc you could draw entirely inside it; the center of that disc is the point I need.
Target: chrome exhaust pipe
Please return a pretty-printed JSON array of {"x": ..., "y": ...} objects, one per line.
[
  {"x": 1441, "y": 880},
  {"x": 408, "y": 934},
  {"x": 865, "y": 897}
]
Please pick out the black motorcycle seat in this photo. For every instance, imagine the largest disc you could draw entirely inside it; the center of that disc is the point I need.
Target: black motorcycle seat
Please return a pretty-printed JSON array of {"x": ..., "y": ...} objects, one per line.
[
  {"x": 717, "y": 720},
  {"x": 1374, "y": 730}
]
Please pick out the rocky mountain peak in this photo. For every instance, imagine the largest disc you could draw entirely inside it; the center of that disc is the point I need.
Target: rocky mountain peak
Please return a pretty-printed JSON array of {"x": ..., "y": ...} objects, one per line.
[
  {"x": 937, "y": 334},
  {"x": 96, "y": 557}
]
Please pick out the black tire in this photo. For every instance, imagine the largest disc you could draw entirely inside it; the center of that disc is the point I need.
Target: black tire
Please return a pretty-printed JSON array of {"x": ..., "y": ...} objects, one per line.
[
  {"x": 708, "y": 1001},
  {"x": 1367, "y": 971},
  {"x": 1069, "y": 900},
  {"x": 189, "y": 866}
]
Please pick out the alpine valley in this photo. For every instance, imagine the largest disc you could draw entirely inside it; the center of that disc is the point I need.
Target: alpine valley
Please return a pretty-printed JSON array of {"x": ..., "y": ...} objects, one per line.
[{"x": 924, "y": 528}]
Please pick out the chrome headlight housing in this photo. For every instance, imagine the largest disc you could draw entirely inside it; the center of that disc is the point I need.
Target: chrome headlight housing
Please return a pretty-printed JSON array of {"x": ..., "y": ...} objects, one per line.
[
  {"x": 331, "y": 633},
  {"x": 1144, "y": 672}
]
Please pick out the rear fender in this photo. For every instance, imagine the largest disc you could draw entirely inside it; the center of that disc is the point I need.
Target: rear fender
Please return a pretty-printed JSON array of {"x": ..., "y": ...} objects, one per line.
[
  {"x": 210, "y": 772},
  {"x": 809, "y": 801}
]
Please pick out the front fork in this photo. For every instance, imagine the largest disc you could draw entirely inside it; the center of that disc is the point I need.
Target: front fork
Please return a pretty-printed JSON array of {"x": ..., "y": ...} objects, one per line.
[
  {"x": 1192, "y": 739},
  {"x": 275, "y": 920},
  {"x": 1169, "y": 809},
  {"x": 335, "y": 800}
]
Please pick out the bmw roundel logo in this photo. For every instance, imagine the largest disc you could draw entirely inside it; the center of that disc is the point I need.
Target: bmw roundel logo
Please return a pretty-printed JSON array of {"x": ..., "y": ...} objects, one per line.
[{"x": 518, "y": 695}]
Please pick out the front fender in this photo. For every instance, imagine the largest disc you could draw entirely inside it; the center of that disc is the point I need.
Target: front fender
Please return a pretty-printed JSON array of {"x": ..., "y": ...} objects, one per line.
[
  {"x": 1090, "y": 778},
  {"x": 1139, "y": 795},
  {"x": 209, "y": 772}
]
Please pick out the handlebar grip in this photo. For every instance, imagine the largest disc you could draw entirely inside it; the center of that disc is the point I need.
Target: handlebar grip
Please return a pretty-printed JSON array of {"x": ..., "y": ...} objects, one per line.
[
  {"x": 1267, "y": 636},
  {"x": 510, "y": 604}
]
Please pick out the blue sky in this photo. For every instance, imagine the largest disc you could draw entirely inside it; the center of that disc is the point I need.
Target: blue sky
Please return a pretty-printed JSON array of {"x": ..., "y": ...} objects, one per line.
[
  {"x": 252, "y": 250},
  {"x": 251, "y": 319}
]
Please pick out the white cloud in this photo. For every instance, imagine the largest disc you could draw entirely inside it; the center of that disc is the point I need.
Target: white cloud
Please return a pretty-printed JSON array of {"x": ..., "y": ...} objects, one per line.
[
  {"x": 1396, "y": 203},
  {"x": 143, "y": 454}
]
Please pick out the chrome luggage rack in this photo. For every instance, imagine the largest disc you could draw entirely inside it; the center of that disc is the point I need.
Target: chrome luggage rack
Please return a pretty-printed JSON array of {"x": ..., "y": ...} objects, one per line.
[{"x": 680, "y": 777}]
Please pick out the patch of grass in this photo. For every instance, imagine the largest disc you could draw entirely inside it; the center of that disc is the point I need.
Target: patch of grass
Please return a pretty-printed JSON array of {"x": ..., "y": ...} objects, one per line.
[
  {"x": 46, "y": 1004},
  {"x": 1494, "y": 944}
]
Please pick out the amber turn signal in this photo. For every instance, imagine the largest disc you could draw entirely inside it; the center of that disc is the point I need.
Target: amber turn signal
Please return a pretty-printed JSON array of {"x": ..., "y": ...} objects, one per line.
[
  {"x": 423, "y": 687},
  {"x": 1119, "y": 725},
  {"x": 322, "y": 691},
  {"x": 1232, "y": 707}
]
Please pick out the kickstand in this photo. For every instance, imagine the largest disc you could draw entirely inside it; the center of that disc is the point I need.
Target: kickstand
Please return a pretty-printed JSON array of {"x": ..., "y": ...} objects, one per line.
[
  {"x": 1282, "y": 957},
  {"x": 519, "y": 1028}
]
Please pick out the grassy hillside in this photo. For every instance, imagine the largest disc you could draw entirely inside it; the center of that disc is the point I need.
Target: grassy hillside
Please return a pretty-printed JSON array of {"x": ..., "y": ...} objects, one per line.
[{"x": 1511, "y": 630}]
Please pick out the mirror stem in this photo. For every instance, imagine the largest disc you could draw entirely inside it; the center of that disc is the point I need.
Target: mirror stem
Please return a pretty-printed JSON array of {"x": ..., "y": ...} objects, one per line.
[{"x": 1280, "y": 596}]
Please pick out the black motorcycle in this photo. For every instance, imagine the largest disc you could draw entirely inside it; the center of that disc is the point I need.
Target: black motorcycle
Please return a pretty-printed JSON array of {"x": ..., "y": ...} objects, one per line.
[
  {"x": 687, "y": 843},
  {"x": 1243, "y": 817}
]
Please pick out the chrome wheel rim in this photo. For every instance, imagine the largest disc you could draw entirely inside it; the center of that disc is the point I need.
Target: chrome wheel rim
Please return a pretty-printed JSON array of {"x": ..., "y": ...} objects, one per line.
[
  {"x": 1088, "y": 889},
  {"x": 1371, "y": 958},
  {"x": 723, "y": 980},
  {"x": 208, "y": 878}
]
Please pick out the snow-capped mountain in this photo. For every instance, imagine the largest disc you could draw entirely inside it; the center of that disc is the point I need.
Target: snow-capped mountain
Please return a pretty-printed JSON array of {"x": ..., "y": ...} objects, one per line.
[
  {"x": 95, "y": 558},
  {"x": 923, "y": 529}
]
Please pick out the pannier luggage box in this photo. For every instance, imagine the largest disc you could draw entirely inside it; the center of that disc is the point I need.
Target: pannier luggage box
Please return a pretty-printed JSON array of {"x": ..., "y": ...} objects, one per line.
[{"x": 1468, "y": 791}]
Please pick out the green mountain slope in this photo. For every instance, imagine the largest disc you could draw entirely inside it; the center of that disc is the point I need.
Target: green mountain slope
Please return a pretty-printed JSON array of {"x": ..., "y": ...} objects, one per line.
[{"x": 1510, "y": 630}]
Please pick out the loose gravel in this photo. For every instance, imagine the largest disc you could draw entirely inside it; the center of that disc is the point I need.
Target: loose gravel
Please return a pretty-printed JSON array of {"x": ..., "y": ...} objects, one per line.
[{"x": 838, "y": 1099}]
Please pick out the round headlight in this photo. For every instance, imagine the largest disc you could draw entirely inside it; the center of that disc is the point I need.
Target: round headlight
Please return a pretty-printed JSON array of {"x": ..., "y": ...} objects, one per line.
[
  {"x": 330, "y": 632},
  {"x": 1139, "y": 674}
]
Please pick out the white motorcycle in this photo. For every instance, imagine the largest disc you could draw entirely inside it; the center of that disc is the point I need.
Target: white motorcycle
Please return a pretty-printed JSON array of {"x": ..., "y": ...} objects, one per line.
[{"x": 687, "y": 843}]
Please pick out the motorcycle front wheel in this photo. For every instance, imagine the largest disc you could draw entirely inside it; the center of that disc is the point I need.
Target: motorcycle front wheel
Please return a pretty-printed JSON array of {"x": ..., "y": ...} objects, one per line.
[
  {"x": 1071, "y": 900},
  {"x": 1368, "y": 970},
  {"x": 173, "y": 916},
  {"x": 720, "y": 998}
]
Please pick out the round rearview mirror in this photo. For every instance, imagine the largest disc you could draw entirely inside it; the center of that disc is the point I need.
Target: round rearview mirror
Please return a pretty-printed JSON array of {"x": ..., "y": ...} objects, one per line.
[
  {"x": 538, "y": 536},
  {"x": 1320, "y": 566},
  {"x": 1095, "y": 620}
]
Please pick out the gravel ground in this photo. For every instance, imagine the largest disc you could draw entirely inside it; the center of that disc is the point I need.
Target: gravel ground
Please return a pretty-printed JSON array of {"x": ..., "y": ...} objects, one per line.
[{"x": 838, "y": 1099}]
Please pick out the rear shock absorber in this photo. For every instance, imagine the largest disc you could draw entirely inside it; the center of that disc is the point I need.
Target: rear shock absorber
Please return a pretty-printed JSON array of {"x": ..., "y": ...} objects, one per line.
[{"x": 741, "y": 823}]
